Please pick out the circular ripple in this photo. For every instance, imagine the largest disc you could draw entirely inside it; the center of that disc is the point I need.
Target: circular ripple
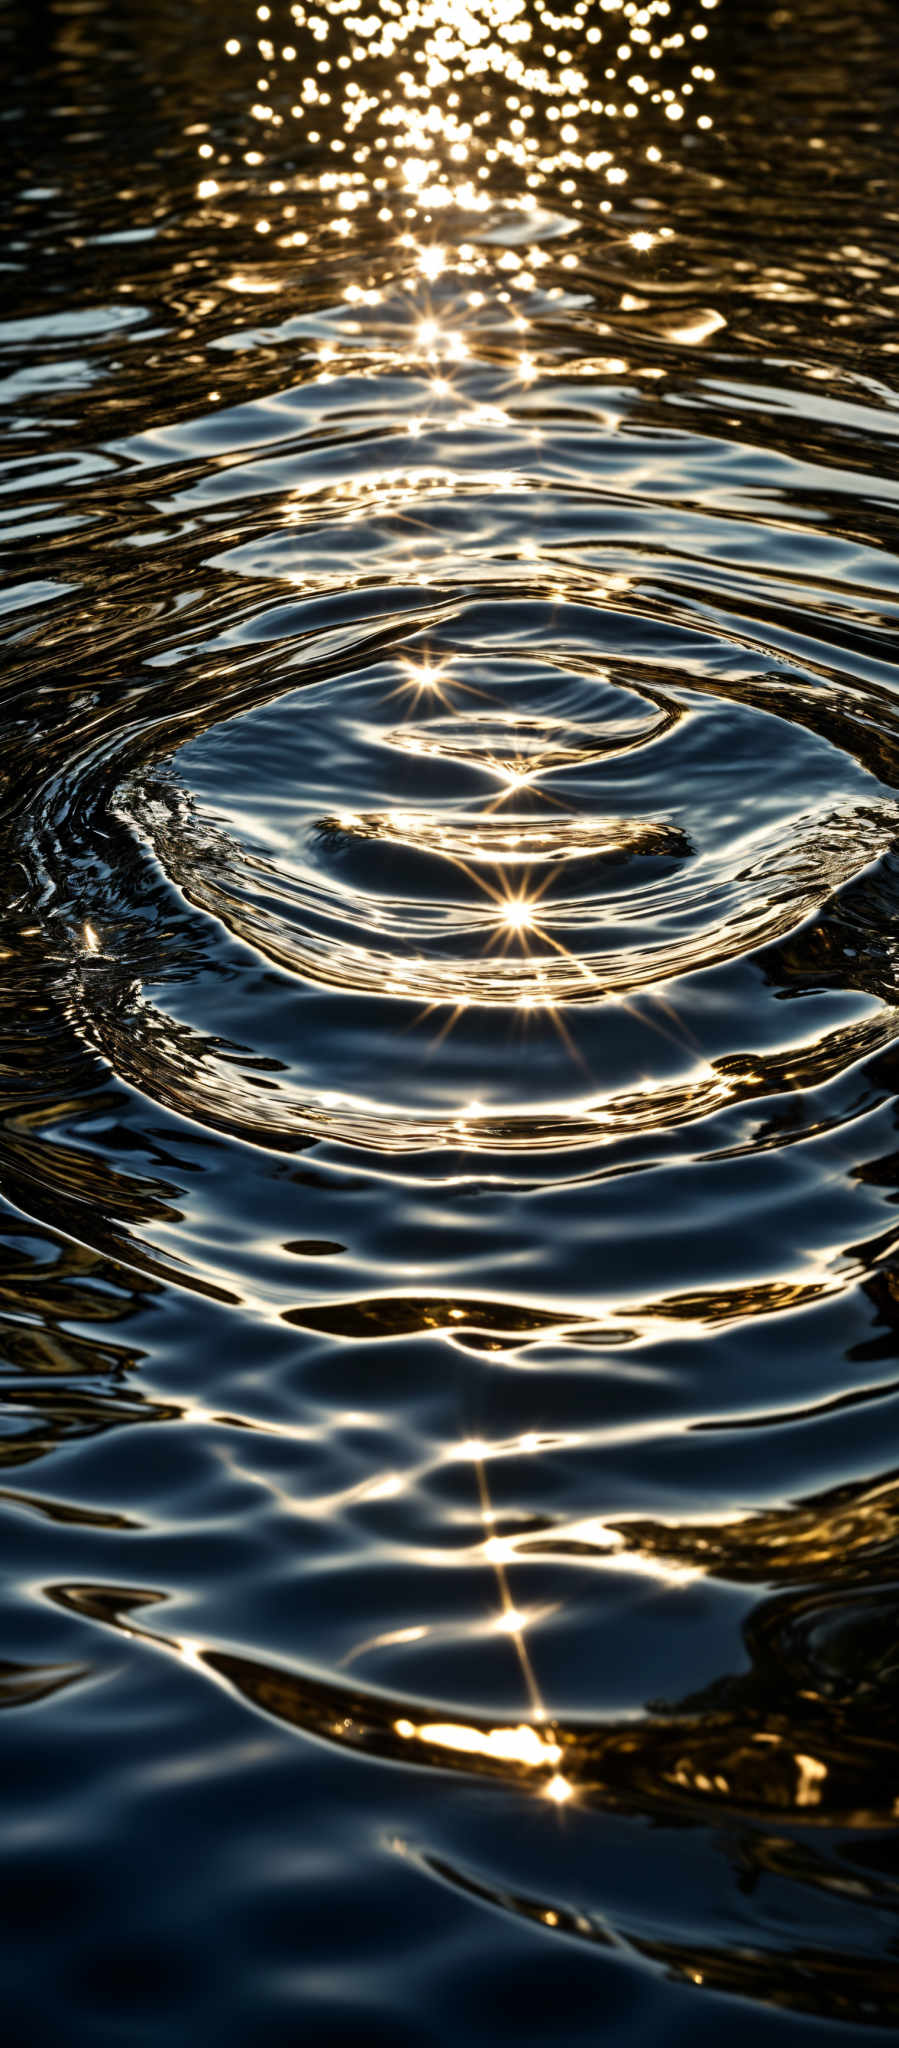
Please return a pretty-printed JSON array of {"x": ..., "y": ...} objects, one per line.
[
  {"x": 422, "y": 897},
  {"x": 607, "y": 854}
]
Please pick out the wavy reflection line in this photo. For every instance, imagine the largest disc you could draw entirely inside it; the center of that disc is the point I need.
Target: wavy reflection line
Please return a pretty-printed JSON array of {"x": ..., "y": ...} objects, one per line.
[{"x": 727, "y": 1751}]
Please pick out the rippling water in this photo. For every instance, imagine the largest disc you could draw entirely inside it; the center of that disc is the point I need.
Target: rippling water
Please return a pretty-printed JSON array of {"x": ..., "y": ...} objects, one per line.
[{"x": 448, "y": 1022}]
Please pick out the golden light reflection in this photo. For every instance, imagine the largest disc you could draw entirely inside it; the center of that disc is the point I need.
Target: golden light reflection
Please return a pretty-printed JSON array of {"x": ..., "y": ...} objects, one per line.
[
  {"x": 449, "y": 147},
  {"x": 518, "y": 914},
  {"x": 509, "y": 1619},
  {"x": 723, "y": 1762},
  {"x": 418, "y": 110},
  {"x": 558, "y": 1789},
  {"x": 387, "y": 1639},
  {"x": 523, "y": 1745}
]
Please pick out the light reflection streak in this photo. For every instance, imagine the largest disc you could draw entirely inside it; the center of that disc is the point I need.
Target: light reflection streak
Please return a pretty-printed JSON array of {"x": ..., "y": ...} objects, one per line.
[{"x": 510, "y": 1618}]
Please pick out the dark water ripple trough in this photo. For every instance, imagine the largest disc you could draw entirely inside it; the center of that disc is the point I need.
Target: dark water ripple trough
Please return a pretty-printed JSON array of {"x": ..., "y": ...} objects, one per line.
[{"x": 449, "y": 1053}]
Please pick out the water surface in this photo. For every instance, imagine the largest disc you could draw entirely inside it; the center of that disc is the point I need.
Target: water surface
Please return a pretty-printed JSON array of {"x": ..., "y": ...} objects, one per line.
[{"x": 448, "y": 1022}]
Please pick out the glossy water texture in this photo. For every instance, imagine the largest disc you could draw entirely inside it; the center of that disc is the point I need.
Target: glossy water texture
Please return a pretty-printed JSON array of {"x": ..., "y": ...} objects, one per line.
[{"x": 449, "y": 1043}]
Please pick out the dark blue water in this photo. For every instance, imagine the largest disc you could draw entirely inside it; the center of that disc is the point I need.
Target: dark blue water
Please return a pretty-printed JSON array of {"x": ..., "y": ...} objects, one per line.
[{"x": 449, "y": 1043}]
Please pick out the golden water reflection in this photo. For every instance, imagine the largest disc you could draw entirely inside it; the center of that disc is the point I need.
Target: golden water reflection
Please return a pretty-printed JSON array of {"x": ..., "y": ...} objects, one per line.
[{"x": 412, "y": 116}]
